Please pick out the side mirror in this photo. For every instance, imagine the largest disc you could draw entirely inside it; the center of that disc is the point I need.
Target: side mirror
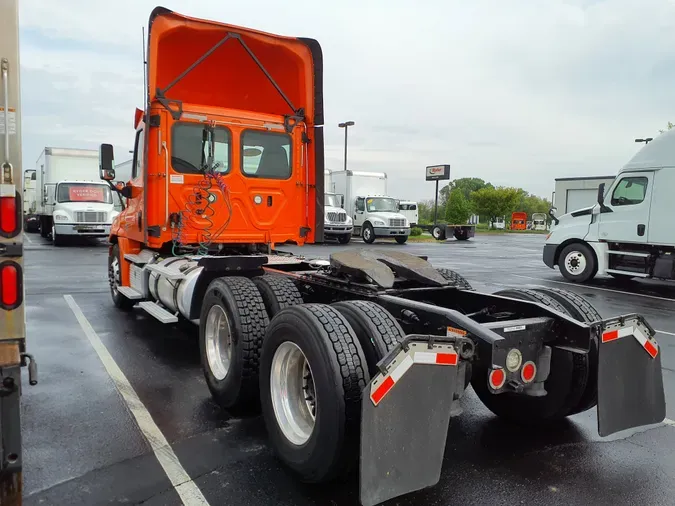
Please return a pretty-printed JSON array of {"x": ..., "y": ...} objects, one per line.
[
  {"x": 106, "y": 162},
  {"x": 601, "y": 194}
]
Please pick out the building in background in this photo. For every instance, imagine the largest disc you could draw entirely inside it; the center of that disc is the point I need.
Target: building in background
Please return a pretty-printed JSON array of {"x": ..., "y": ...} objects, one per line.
[{"x": 572, "y": 193}]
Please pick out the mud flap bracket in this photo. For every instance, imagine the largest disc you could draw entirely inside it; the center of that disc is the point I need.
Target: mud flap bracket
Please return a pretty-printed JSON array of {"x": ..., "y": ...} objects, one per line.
[
  {"x": 630, "y": 381},
  {"x": 405, "y": 416}
]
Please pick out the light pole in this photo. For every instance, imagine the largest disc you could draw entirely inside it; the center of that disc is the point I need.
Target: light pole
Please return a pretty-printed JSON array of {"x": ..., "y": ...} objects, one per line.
[
  {"x": 346, "y": 126},
  {"x": 645, "y": 140}
]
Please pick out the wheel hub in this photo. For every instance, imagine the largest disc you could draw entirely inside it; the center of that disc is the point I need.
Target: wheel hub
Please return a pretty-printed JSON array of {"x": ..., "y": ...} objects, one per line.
[
  {"x": 293, "y": 393},
  {"x": 218, "y": 339},
  {"x": 114, "y": 275},
  {"x": 575, "y": 262}
]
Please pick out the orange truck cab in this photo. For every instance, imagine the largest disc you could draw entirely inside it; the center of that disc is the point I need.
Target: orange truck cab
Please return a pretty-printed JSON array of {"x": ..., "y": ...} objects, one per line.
[
  {"x": 228, "y": 152},
  {"x": 519, "y": 221}
]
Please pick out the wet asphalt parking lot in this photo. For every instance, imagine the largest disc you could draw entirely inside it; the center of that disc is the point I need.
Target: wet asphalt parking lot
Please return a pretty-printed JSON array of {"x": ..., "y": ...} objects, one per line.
[{"x": 82, "y": 445}]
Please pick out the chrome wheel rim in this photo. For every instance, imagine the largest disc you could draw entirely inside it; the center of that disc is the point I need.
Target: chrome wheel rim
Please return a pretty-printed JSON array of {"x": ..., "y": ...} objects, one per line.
[
  {"x": 293, "y": 393},
  {"x": 366, "y": 234},
  {"x": 575, "y": 262},
  {"x": 436, "y": 232},
  {"x": 218, "y": 342}
]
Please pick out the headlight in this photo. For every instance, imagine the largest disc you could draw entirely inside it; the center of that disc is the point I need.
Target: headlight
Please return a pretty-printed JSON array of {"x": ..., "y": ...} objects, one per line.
[
  {"x": 378, "y": 223},
  {"x": 60, "y": 217}
]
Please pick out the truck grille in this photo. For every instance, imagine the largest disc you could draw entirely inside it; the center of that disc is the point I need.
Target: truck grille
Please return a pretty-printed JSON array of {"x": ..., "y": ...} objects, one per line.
[
  {"x": 90, "y": 217},
  {"x": 397, "y": 222},
  {"x": 337, "y": 217}
]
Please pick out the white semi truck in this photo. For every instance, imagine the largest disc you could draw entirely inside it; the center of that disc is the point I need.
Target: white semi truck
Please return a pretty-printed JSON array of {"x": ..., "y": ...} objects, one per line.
[
  {"x": 629, "y": 232},
  {"x": 337, "y": 223},
  {"x": 375, "y": 214},
  {"x": 69, "y": 203}
]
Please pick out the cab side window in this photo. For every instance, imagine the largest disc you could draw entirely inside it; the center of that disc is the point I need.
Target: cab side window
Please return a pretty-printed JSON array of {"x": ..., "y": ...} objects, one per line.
[
  {"x": 137, "y": 167},
  {"x": 630, "y": 191},
  {"x": 360, "y": 204},
  {"x": 266, "y": 155}
]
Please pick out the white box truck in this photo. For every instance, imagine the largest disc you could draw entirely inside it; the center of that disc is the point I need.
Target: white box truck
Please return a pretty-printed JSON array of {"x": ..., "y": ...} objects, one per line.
[
  {"x": 337, "y": 224},
  {"x": 408, "y": 208},
  {"x": 375, "y": 214},
  {"x": 629, "y": 232},
  {"x": 69, "y": 202}
]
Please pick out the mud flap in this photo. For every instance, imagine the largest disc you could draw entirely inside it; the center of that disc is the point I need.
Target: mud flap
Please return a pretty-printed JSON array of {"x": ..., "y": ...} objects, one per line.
[
  {"x": 630, "y": 381},
  {"x": 404, "y": 424}
]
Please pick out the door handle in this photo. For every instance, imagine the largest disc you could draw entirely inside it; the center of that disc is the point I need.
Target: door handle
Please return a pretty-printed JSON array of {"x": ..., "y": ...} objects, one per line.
[{"x": 641, "y": 229}]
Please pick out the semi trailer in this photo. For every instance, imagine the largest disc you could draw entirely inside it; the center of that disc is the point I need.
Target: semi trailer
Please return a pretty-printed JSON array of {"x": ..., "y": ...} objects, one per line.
[
  {"x": 359, "y": 360},
  {"x": 13, "y": 346}
]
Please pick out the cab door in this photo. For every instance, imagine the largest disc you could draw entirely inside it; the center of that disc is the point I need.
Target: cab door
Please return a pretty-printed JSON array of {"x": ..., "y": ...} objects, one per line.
[
  {"x": 132, "y": 217},
  {"x": 628, "y": 203}
]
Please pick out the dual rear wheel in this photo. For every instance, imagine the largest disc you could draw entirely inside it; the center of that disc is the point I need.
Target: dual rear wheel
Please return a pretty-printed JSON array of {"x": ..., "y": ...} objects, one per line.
[{"x": 303, "y": 365}]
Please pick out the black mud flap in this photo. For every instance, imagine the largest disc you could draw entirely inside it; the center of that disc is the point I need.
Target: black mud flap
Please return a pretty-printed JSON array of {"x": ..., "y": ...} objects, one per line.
[
  {"x": 630, "y": 382},
  {"x": 404, "y": 422}
]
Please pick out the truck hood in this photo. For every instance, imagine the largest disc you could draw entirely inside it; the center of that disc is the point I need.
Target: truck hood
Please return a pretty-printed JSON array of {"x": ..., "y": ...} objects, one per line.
[
  {"x": 385, "y": 216},
  {"x": 176, "y": 42}
]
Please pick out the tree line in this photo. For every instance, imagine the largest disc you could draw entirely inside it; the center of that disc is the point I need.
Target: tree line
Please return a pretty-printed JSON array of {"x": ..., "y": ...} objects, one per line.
[{"x": 466, "y": 196}]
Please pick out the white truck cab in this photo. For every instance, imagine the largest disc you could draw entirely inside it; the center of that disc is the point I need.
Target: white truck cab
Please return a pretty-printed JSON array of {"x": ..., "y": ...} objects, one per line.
[
  {"x": 374, "y": 213},
  {"x": 409, "y": 209},
  {"x": 630, "y": 232},
  {"x": 337, "y": 224},
  {"x": 80, "y": 208}
]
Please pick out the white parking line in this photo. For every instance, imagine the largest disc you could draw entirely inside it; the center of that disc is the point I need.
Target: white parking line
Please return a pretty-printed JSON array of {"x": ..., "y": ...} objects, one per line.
[
  {"x": 27, "y": 237},
  {"x": 596, "y": 288},
  {"x": 186, "y": 488}
]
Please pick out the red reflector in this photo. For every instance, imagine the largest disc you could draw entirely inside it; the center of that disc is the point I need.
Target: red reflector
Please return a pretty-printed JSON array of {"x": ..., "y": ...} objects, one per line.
[
  {"x": 610, "y": 336},
  {"x": 497, "y": 378},
  {"x": 9, "y": 278},
  {"x": 528, "y": 372},
  {"x": 446, "y": 358},
  {"x": 651, "y": 349},
  {"x": 382, "y": 389},
  {"x": 8, "y": 214}
]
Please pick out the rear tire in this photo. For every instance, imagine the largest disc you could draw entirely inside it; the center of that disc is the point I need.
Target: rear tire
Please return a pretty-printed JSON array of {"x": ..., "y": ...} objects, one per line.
[
  {"x": 277, "y": 292},
  {"x": 580, "y": 309},
  {"x": 577, "y": 262},
  {"x": 455, "y": 279},
  {"x": 565, "y": 384},
  {"x": 324, "y": 447},
  {"x": 344, "y": 239},
  {"x": 438, "y": 232},
  {"x": 402, "y": 239},
  {"x": 115, "y": 279},
  {"x": 232, "y": 326},
  {"x": 461, "y": 234},
  {"x": 377, "y": 330}
]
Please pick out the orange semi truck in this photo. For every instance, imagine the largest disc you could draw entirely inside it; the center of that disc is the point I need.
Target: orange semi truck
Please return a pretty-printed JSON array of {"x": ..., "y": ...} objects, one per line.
[{"x": 357, "y": 360}]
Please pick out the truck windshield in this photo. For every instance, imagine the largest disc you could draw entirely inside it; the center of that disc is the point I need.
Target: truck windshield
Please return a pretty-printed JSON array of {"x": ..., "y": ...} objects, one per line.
[
  {"x": 332, "y": 200},
  {"x": 83, "y": 192},
  {"x": 381, "y": 204}
]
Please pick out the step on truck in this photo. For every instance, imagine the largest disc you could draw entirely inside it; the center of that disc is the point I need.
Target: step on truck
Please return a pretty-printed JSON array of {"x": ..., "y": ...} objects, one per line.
[
  {"x": 13, "y": 353},
  {"x": 356, "y": 362},
  {"x": 629, "y": 233}
]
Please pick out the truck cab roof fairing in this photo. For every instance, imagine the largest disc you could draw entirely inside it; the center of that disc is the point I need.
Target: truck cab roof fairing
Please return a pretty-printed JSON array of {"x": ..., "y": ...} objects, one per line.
[{"x": 229, "y": 76}]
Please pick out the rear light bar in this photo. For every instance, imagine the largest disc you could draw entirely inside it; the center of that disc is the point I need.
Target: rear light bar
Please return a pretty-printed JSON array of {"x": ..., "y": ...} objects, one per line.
[{"x": 11, "y": 285}]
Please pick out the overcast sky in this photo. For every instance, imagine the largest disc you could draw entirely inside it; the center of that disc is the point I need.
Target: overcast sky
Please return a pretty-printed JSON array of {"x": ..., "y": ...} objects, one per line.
[{"x": 517, "y": 92}]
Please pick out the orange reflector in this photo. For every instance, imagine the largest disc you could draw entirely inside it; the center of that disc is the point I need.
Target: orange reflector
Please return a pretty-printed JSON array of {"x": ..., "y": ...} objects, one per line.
[
  {"x": 528, "y": 372},
  {"x": 9, "y": 284},
  {"x": 497, "y": 378},
  {"x": 8, "y": 214}
]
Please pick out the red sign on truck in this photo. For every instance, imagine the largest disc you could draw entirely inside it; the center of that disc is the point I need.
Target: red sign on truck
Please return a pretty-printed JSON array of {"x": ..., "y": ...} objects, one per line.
[{"x": 82, "y": 193}]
